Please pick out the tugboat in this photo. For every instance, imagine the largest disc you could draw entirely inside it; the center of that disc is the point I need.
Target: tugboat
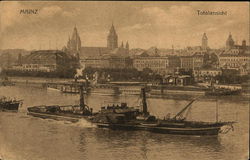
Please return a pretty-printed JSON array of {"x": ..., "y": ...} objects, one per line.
[
  {"x": 124, "y": 117},
  {"x": 70, "y": 112},
  {"x": 7, "y": 104}
]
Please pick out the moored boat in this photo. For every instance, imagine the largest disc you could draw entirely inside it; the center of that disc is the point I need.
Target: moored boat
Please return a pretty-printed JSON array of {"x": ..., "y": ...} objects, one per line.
[
  {"x": 53, "y": 89},
  {"x": 7, "y": 104},
  {"x": 222, "y": 92}
]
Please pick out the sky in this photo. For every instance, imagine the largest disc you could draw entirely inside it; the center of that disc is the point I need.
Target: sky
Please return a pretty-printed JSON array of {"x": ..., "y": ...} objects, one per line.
[{"x": 142, "y": 24}]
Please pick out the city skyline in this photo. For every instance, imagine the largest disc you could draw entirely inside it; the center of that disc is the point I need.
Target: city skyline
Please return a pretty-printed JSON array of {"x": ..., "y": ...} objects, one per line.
[{"x": 142, "y": 24}]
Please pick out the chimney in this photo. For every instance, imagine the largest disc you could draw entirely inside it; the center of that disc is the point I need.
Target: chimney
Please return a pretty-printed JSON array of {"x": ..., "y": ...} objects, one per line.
[
  {"x": 144, "y": 102},
  {"x": 82, "y": 105}
]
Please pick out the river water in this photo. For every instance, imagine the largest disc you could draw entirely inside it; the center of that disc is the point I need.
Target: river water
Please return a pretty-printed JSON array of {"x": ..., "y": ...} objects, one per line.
[{"x": 23, "y": 137}]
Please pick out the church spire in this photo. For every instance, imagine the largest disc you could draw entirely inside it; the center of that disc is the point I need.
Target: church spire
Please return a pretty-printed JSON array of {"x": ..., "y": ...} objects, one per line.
[
  {"x": 204, "y": 42},
  {"x": 230, "y": 41},
  {"x": 74, "y": 43},
  {"x": 112, "y": 39},
  {"x": 204, "y": 36},
  {"x": 127, "y": 45},
  {"x": 122, "y": 46}
]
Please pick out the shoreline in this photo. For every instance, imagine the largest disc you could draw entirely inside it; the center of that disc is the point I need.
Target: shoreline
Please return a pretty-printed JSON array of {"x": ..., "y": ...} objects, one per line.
[
  {"x": 172, "y": 92},
  {"x": 231, "y": 98}
]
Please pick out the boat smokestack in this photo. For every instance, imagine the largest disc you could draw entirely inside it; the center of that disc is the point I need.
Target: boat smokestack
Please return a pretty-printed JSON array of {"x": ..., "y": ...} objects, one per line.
[
  {"x": 82, "y": 105},
  {"x": 144, "y": 102}
]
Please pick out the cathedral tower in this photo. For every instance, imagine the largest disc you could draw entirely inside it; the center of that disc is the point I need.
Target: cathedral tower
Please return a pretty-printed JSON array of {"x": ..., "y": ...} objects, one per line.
[
  {"x": 229, "y": 42},
  {"x": 127, "y": 46},
  {"x": 74, "y": 43},
  {"x": 122, "y": 46},
  {"x": 112, "y": 40},
  {"x": 204, "y": 42}
]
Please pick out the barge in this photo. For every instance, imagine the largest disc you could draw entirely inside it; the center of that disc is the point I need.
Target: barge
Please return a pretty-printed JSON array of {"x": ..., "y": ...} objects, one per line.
[{"x": 7, "y": 104}]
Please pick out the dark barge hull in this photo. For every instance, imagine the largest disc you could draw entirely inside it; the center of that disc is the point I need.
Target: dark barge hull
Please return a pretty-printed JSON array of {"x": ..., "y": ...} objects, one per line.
[
  {"x": 163, "y": 130},
  {"x": 9, "y": 106},
  {"x": 70, "y": 92},
  {"x": 59, "y": 116},
  {"x": 187, "y": 131},
  {"x": 222, "y": 93}
]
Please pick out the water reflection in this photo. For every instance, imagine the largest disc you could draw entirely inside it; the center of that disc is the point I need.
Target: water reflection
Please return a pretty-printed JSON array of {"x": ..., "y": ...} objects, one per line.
[{"x": 145, "y": 141}]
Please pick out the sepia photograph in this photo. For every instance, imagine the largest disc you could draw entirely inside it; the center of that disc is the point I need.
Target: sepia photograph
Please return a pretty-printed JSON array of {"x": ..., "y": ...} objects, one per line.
[{"x": 124, "y": 80}]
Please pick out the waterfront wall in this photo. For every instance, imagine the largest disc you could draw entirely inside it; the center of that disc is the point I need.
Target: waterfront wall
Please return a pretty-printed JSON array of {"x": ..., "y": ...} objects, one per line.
[
  {"x": 118, "y": 89},
  {"x": 37, "y": 80}
]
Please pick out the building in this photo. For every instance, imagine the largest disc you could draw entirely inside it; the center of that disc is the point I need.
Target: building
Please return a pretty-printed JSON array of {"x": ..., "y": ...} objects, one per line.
[
  {"x": 178, "y": 80},
  {"x": 159, "y": 64},
  {"x": 43, "y": 61},
  {"x": 229, "y": 42},
  {"x": 119, "y": 58},
  {"x": 112, "y": 39},
  {"x": 195, "y": 61},
  {"x": 206, "y": 75},
  {"x": 155, "y": 63},
  {"x": 198, "y": 60},
  {"x": 99, "y": 57},
  {"x": 211, "y": 60},
  {"x": 95, "y": 62},
  {"x": 174, "y": 63},
  {"x": 75, "y": 48},
  {"x": 111, "y": 56},
  {"x": 120, "y": 62},
  {"x": 110, "y": 61},
  {"x": 203, "y": 48},
  {"x": 233, "y": 48},
  {"x": 239, "y": 49},
  {"x": 239, "y": 62},
  {"x": 115, "y": 59},
  {"x": 204, "y": 42},
  {"x": 74, "y": 44},
  {"x": 127, "y": 46},
  {"x": 93, "y": 52},
  {"x": 235, "y": 57},
  {"x": 186, "y": 62},
  {"x": 9, "y": 57}
]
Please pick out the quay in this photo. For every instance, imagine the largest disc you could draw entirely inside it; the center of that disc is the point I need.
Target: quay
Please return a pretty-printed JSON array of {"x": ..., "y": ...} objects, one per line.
[{"x": 114, "y": 88}]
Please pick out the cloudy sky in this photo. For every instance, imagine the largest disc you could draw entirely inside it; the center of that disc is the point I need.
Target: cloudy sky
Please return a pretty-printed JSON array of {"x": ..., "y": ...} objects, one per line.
[{"x": 143, "y": 24}]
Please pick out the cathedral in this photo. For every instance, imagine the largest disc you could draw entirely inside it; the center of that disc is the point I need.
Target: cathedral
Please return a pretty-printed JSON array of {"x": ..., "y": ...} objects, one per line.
[
  {"x": 75, "y": 48},
  {"x": 112, "y": 39},
  {"x": 233, "y": 47},
  {"x": 74, "y": 44}
]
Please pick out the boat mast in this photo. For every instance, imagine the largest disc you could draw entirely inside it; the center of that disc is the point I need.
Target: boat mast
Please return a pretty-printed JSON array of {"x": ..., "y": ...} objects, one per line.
[
  {"x": 144, "y": 102},
  {"x": 82, "y": 105}
]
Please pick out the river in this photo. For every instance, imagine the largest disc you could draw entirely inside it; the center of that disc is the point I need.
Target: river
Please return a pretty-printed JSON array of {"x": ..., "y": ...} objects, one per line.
[{"x": 23, "y": 137}]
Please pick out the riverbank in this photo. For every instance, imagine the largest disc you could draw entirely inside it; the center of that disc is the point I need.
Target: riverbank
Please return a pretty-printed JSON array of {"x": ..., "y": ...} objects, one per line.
[{"x": 172, "y": 92}]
